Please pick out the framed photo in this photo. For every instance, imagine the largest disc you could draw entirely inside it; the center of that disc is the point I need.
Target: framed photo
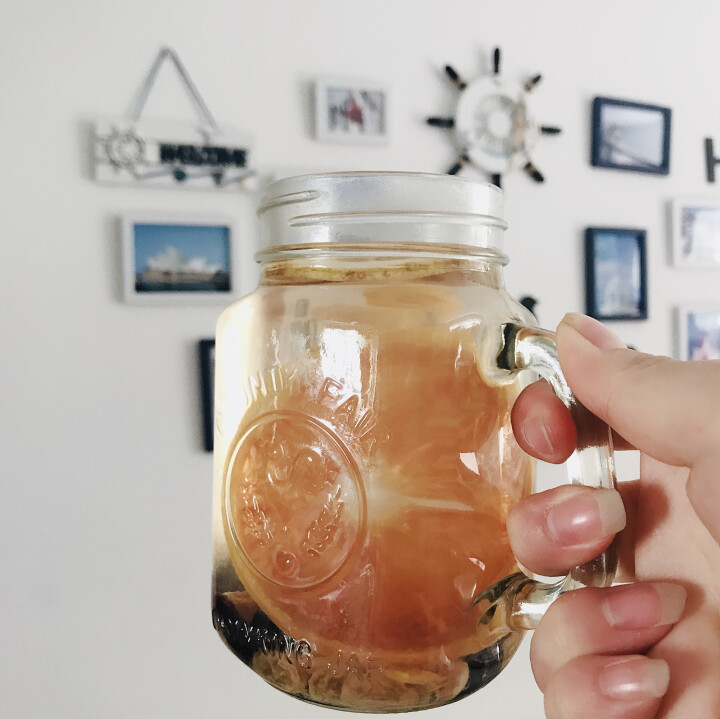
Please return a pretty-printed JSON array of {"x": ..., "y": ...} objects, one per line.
[
  {"x": 630, "y": 136},
  {"x": 169, "y": 259},
  {"x": 207, "y": 390},
  {"x": 351, "y": 111},
  {"x": 699, "y": 332},
  {"x": 696, "y": 233},
  {"x": 616, "y": 273}
]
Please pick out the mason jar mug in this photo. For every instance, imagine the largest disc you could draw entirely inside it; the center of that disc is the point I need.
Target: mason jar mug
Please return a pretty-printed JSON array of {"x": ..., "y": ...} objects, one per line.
[{"x": 365, "y": 463}]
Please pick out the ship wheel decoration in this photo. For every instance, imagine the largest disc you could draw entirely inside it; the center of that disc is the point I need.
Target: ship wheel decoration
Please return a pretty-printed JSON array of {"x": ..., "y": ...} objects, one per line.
[{"x": 492, "y": 125}]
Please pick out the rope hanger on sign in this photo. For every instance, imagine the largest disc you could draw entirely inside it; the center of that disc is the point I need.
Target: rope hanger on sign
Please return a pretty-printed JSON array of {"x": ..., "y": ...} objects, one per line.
[{"x": 167, "y": 53}]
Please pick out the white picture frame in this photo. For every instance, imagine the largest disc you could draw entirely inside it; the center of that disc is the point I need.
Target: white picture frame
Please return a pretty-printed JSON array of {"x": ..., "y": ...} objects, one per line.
[
  {"x": 351, "y": 111},
  {"x": 695, "y": 232},
  {"x": 698, "y": 331},
  {"x": 177, "y": 259}
]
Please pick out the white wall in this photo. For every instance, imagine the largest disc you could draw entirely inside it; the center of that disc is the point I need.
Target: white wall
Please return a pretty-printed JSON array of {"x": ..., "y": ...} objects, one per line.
[{"x": 105, "y": 501}]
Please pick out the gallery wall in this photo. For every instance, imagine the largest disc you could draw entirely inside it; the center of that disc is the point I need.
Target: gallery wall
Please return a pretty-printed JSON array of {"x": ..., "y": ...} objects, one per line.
[{"x": 105, "y": 500}]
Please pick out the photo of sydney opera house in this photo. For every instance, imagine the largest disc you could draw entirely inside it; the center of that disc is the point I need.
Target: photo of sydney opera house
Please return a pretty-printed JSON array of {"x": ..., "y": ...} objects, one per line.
[{"x": 182, "y": 258}]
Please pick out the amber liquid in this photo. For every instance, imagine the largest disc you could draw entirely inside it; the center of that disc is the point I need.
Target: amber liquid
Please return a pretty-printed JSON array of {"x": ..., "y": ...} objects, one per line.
[{"x": 365, "y": 497}]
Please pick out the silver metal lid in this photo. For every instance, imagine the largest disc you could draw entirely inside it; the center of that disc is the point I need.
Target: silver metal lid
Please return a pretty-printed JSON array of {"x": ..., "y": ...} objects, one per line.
[{"x": 382, "y": 207}]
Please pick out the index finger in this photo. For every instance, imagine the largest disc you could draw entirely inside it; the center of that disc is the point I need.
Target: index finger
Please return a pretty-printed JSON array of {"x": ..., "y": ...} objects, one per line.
[{"x": 664, "y": 407}]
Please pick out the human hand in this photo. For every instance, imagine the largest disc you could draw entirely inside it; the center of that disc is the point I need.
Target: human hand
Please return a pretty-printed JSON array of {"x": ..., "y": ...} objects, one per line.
[{"x": 650, "y": 648}]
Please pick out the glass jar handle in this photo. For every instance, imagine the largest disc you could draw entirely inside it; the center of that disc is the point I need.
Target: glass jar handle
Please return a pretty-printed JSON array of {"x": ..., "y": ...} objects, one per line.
[{"x": 519, "y": 602}]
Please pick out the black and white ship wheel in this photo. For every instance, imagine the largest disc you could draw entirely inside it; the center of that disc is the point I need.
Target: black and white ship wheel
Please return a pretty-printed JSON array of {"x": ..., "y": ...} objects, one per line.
[{"x": 493, "y": 127}]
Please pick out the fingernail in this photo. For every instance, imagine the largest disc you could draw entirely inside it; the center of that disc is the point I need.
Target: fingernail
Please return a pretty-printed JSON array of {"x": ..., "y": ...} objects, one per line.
[
  {"x": 593, "y": 331},
  {"x": 536, "y": 434},
  {"x": 634, "y": 678},
  {"x": 640, "y": 606},
  {"x": 586, "y": 516}
]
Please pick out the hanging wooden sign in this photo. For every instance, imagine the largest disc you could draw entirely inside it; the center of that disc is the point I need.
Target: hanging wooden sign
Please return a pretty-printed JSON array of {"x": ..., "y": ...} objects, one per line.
[{"x": 202, "y": 155}]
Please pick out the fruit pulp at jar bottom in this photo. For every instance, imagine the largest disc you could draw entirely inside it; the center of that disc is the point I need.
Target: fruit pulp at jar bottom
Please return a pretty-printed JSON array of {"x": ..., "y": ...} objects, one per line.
[
  {"x": 345, "y": 679},
  {"x": 365, "y": 513}
]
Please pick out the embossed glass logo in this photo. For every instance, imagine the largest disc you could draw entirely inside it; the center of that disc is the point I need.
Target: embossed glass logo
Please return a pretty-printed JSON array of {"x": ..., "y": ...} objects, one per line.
[{"x": 294, "y": 501}]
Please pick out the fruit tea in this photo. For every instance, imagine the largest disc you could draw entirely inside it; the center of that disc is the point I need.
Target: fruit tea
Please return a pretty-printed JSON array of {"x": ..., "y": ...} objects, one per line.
[{"x": 365, "y": 469}]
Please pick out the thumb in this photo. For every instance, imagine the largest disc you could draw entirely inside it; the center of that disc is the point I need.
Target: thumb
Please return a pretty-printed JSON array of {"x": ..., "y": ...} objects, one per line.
[{"x": 666, "y": 408}]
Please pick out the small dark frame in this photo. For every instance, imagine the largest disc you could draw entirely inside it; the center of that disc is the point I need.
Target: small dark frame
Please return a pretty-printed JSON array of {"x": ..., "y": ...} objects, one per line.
[
  {"x": 631, "y": 148},
  {"x": 207, "y": 390},
  {"x": 616, "y": 273}
]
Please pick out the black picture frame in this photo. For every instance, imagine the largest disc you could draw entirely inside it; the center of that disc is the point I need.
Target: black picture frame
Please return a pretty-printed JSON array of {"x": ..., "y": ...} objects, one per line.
[
  {"x": 630, "y": 136},
  {"x": 206, "y": 350},
  {"x": 616, "y": 273}
]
